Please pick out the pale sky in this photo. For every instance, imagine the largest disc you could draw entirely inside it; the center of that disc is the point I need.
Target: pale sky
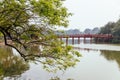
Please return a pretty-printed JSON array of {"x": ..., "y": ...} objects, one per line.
[{"x": 92, "y": 13}]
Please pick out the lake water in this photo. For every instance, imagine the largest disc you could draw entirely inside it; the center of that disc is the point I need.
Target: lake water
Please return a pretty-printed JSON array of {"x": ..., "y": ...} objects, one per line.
[{"x": 98, "y": 62}]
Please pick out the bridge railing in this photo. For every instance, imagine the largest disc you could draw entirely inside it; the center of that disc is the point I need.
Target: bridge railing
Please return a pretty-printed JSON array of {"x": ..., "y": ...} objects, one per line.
[{"x": 86, "y": 36}]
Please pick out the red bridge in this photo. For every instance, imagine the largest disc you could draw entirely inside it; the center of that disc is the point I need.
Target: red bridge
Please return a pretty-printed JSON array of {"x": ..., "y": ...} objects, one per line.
[{"x": 91, "y": 36}]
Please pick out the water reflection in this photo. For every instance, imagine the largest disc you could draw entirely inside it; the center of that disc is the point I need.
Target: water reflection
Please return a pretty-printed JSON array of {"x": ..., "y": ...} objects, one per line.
[
  {"x": 86, "y": 49},
  {"x": 111, "y": 56},
  {"x": 108, "y": 54},
  {"x": 57, "y": 78},
  {"x": 98, "y": 63},
  {"x": 11, "y": 66}
]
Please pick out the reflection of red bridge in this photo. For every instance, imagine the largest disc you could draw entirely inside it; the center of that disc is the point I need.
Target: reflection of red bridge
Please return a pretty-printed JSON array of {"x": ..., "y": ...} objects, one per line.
[{"x": 97, "y": 36}]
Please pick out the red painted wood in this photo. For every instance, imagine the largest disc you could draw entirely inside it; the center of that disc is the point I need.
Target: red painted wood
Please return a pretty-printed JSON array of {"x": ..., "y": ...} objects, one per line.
[{"x": 86, "y": 36}]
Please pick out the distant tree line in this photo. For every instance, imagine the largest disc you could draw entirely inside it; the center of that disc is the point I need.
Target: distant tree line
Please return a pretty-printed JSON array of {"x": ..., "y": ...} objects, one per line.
[{"x": 112, "y": 28}]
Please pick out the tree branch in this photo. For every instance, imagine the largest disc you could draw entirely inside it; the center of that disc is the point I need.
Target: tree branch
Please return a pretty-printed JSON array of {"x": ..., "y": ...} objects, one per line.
[{"x": 5, "y": 41}]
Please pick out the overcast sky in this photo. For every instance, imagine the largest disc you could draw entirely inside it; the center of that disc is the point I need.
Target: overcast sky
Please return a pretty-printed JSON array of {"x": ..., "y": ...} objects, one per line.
[{"x": 92, "y": 13}]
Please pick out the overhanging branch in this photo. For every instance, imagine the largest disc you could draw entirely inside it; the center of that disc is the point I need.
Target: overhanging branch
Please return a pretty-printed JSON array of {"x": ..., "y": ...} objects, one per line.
[{"x": 6, "y": 43}]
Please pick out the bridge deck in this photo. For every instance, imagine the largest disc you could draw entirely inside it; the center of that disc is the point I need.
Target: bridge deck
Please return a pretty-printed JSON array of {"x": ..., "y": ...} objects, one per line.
[{"x": 86, "y": 36}]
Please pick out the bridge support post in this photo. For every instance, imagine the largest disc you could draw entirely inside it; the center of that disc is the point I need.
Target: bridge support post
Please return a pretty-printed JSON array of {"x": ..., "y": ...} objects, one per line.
[
  {"x": 78, "y": 40},
  {"x": 97, "y": 40},
  {"x": 91, "y": 40},
  {"x": 72, "y": 40},
  {"x": 84, "y": 39},
  {"x": 66, "y": 41},
  {"x": 104, "y": 40},
  {"x": 61, "y": 39}
]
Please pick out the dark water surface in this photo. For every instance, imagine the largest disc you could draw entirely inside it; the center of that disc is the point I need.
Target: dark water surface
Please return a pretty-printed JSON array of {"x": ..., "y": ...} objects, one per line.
[{"x": 98, "y": 62}]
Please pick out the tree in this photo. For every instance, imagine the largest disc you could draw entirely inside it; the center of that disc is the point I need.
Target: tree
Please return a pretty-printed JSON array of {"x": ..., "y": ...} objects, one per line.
[
  {"x": 107, "y": 29},
  {"x": 112, "y": 28},
  {"x": 27, "y": 23},
  {"x": 116, "y": 29}
]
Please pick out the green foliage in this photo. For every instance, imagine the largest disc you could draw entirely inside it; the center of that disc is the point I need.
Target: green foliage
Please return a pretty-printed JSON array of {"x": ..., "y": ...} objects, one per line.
[
  {"x": 112, "y": 28},
  {"x": 30, "y": 26},
  {"x": 60, "y": 58},
  {"x": 1, "y": 34},
  {"x": 116, "y": 29},
  {"x": 52, "y": 11},
  {"x": 107, "y": 29},
  {"x": 11, "y": 65}
]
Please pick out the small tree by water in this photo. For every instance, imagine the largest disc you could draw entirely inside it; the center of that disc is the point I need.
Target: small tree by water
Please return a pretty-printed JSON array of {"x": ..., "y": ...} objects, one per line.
[{"x": 26, "y": 24}]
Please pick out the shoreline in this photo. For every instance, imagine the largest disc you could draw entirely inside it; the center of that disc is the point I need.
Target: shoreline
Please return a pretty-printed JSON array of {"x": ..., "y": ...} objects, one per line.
[{"x": 2, "y": 43}]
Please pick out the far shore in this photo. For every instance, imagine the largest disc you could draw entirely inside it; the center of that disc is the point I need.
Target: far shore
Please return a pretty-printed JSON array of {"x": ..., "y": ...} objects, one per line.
[{"x": 2, "y": 42}]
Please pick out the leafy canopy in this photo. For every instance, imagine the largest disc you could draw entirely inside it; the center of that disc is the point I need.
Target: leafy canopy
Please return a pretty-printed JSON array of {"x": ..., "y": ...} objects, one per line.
[
  {"x": 26, "y": 24},
  {"x": 112, "y": 28}
]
